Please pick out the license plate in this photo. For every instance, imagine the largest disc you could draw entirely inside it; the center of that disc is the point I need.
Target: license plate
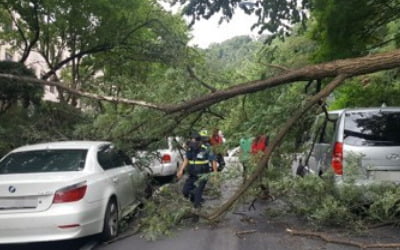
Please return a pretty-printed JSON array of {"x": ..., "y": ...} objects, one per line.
[{"x": 18, "y": 203}]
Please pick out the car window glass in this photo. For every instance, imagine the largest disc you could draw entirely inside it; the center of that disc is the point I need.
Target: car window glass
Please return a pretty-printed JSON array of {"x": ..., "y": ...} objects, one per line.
[
  {"x": 43, "y": 161},
  {"x": 315, "y": 128},
  {"x": 372, "y": 128},
  {"x": 328, "y": 131},
  {"x": 118, "y": 158},
  {"x": 322, "y": 130},
  {"x": 104, "y": 157}
]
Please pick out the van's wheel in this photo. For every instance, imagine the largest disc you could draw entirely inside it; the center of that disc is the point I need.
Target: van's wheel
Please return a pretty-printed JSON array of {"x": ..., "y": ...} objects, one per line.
[{"x": 110, "y": 228}]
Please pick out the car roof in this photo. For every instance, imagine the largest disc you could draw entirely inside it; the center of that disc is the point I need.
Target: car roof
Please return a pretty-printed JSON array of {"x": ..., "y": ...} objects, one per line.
[
  {"x": 338, "y": 112},
  {"x": 373, "y": 109},
  {"x": 62, "y": 145}
]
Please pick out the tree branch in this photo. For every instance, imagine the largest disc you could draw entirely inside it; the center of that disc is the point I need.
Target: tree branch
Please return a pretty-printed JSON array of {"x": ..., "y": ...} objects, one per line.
[
  {"x": 86, "y": 94},
  {"x": 280, "y": 67},
  {"x": 350, "y": 67},
  {"x": 194, "y": 76},
  {"x": 215, "y": 114},
  {"x": 328, "y": 238},
  {"x": 36, "y": 34},
  {"x": 94, "y": 50},
  {"x": 20, "y": 31},
  {"x": 263, "y": 163}
]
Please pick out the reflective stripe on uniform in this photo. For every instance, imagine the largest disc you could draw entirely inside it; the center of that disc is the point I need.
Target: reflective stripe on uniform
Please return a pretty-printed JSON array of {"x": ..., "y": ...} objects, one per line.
[{"x": 198, "y": 162}]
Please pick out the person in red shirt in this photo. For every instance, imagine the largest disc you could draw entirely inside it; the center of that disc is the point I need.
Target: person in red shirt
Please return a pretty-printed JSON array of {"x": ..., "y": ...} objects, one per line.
[
  {"x": 216, "y": 141},
  {"x": 259, "y": 144}
]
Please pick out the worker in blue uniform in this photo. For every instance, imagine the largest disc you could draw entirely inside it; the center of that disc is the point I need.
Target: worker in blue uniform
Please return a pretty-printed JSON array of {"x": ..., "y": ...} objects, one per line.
[{"x": 198, "y": 158}]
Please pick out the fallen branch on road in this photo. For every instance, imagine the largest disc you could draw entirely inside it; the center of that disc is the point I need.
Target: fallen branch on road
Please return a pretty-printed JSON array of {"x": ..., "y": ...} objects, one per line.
[
  {"x": 241, "y": 233},
  {"x": 383, "y": 224},
  {"x": 330, "y": 239}
]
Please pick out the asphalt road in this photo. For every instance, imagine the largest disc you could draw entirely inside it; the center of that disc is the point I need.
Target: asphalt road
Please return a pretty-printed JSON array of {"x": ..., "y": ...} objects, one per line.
[
  {"x": 86, "y": 243},
  {"x": 242, "y": 230},
  {"x": 253, "y": 229}
]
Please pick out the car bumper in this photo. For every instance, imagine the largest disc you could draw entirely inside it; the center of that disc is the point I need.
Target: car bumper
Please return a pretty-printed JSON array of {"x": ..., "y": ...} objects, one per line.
[
  {"x": 165, "y": 169},
  {"x": 83, "y": 219}
]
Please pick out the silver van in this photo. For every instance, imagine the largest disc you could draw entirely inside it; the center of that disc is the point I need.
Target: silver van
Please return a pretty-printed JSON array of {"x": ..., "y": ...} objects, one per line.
[{"x": 360, "y": 145}]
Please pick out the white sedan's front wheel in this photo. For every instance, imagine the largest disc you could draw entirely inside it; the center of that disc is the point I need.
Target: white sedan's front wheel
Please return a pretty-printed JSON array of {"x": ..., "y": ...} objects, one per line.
[{"x": 110, "y": 228}]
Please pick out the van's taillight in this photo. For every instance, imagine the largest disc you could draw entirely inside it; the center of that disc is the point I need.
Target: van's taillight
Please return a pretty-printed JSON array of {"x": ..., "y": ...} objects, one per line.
[
  {"x": 337, "y": 158},
  {"x": 70, "y": 193},
  {"x": 166, "y": 158}
]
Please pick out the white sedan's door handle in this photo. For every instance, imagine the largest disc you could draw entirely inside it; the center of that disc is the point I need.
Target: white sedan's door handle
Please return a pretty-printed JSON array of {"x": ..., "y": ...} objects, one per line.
[{"x": 115, "y": 179}]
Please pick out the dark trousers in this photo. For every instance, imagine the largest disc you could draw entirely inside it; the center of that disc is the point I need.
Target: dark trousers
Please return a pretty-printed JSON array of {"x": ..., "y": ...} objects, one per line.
[
  {"x": 193, "y": 187},
  {"x": 221, "y": 162}
]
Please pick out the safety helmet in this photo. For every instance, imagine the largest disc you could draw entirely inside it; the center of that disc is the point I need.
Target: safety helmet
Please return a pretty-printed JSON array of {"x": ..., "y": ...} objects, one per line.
[{"x": 203, "y": 133}]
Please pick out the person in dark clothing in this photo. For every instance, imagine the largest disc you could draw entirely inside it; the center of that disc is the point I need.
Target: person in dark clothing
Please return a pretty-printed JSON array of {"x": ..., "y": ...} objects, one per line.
[{"x": 198, "y": 158}]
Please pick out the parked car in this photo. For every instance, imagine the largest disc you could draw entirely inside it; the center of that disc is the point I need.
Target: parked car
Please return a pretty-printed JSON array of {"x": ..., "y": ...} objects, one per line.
[
  {"x": 163, "y": 162},
  {"x": 232, "y": 156},
  {"x": 65, "y": 190},
  {"x": 362, "y": 145}
]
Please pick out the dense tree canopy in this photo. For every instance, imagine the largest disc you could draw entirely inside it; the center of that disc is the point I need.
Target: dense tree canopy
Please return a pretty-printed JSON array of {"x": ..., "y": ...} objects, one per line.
[{"x": 77, "y": 40}]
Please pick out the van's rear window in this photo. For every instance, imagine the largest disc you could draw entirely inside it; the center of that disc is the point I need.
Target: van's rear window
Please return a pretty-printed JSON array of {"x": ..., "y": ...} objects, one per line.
[
  {"x": 372, "y": 128},
  {"x": 43, "y": 161}
]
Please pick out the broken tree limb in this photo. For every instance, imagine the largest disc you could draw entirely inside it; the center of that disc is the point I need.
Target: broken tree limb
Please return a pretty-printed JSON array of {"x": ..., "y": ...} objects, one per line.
[
  {"x": 82, "y": 93},
  {"x": 263, "y": 163},
  {"x": 280, "y": 67},
  {"x": 350, "y": 67},
  {"x": 241, "y": 233},
  {"x": 194, "y": 76},
  {"x": 341, "y": 241}
]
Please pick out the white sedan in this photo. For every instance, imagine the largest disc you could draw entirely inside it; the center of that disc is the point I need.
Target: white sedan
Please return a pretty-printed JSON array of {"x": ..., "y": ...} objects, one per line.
[
  {"x": 165, "y": 161},
  {"x": 66, "y": 190},
  {"x": 232, "y": 156}
]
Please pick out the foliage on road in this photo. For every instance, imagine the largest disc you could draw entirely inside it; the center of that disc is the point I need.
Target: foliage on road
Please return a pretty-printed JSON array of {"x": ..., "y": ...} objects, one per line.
[
  {"x": 163, "y": 212},
  {"x": 322, "y": 203}
]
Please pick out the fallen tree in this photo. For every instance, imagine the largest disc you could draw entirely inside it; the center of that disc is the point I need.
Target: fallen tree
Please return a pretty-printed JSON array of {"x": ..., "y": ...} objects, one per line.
[
  {"x": 348, "y": 67},
  {"x": 340, "y": 70}
]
